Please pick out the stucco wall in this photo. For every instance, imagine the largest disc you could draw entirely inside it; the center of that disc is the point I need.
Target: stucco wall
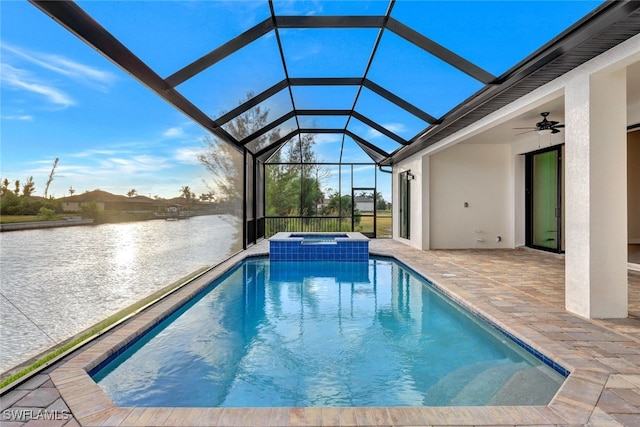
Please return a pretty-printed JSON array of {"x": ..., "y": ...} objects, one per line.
[
  {"x": 633, "y": 186},
  {"x": 480, "y": 175}
]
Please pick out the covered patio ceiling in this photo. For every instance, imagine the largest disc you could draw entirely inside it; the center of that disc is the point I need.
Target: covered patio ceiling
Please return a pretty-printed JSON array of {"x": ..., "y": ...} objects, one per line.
[{"x": 391, "y": 77}]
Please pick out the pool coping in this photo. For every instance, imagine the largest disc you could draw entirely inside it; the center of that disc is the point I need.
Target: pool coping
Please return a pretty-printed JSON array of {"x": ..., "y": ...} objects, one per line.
[
  {"x": 286, "y": 236},
  {"x": 574, "y": 403}
]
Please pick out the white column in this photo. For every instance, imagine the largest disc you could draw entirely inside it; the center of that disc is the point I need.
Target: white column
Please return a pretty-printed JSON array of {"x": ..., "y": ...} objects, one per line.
[{"x": 596, "y": 195}]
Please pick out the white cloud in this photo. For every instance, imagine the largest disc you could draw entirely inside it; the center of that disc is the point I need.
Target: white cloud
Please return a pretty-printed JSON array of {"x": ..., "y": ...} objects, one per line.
[
  {"x": 23, "y": 80},
  {"x": 372, "y": 134},
  {"x": 25, "y": 117},
  {"x": 59, "y": 64},
  {"x": 93, "y": 152},
  {"x": 188, "y": 155},
  {"x": 136, "y": 164},
  {"x": 396, "y": 128},
  {"x": 20, "y": 78},
  {"x": 327, "y": 138},
  {"x": 174, "y": 132},
  {"x": 80, "y": 72}
]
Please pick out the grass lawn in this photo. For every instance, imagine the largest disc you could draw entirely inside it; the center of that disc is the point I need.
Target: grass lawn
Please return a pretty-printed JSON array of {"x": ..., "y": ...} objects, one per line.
[
  {"x": 383, "y": 225},
  {"x": 10, "y": 219}
]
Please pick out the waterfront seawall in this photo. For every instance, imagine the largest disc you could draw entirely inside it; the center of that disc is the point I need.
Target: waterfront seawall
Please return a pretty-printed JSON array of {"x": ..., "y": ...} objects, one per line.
[{"x": 44, "y": 224}]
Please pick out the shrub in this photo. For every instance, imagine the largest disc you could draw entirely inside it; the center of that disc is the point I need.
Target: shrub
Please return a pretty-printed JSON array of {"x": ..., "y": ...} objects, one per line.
[
  {"x": 47, "y": 214},
  {"x": 89, "y": 210}
]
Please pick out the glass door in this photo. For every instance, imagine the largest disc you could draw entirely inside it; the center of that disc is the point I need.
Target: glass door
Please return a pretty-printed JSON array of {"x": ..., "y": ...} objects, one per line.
[{"x": 544, "y": 199}]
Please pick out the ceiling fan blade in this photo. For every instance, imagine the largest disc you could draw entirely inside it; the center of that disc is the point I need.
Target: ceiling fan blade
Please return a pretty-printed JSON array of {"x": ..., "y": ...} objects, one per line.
[
  {"x": 558, "y": 126},
  {"x": 553, "y": 122},
  {"x": 522, "y": 133},
  {"x": 530, "y": 128},
  {"x": 554, "y": 130}
]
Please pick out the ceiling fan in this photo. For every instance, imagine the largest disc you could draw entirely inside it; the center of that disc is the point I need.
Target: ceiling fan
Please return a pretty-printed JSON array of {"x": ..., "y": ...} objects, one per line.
[{"x": 545, "y": 126}]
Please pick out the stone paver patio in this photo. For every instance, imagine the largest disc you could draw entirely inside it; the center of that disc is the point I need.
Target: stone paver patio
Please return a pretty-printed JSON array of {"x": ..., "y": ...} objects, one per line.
[{"x": 521, "y": 290}]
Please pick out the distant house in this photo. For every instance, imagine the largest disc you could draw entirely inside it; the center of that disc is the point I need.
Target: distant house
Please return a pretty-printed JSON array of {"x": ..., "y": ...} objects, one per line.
[
  {"x": 364, "y": 203},
  {"x": 323, "y": 204},
  {"x": 110, "y": 202}
]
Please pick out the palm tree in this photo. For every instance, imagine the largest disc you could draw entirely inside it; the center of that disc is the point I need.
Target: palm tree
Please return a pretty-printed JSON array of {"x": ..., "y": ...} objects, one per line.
[
  {"x": 5, "y": 187},
  {"x": 185, "y": 192},
  {"x": 29, "y": 188}
]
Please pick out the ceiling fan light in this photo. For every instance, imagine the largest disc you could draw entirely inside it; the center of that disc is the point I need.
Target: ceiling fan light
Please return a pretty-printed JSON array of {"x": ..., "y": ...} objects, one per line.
[{"x": 544, "y": 131}]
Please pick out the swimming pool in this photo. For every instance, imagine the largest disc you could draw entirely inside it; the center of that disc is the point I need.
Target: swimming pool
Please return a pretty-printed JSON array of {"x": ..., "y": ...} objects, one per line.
[{"x": 324, "y": 334}]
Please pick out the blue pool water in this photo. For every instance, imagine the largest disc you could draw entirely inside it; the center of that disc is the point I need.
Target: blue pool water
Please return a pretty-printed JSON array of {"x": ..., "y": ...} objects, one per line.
[{"x": 324, "y": 334}]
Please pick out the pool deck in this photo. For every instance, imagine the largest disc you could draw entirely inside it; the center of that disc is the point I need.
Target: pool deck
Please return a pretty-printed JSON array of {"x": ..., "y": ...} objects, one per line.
[{"x": 521, "y": 290}]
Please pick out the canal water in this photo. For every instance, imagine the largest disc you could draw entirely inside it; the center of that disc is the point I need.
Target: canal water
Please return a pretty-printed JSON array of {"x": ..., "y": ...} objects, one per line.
[{"x": 55, "y": 283}]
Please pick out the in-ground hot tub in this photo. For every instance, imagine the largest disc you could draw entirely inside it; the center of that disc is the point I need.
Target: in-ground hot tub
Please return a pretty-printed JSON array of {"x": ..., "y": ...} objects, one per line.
[{"x": 319, "y": 247}]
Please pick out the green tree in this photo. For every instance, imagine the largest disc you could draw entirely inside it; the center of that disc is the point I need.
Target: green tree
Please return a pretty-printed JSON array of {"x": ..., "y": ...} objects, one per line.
[
  {"x": 90, "y": 210},
  {"x": 311, "y": 196},
  {"x": 14, "y": 203},
  {"x": 225, "y": 165},
  {"x": 291, "y": 189},
  {"x": 207, "y": 197},
  {"x": 9, "y": 203},
  {"x": 279, "y": 191},
  {"x": 341, "y": 206},
  {"x": 4, "y": 187},
  {"x": 27, "y": 206},
  {"x": 185, "y": 192},
  {"x": 225, "y": 162},
  {"x": 293, "y": 179},
  {"x": 381, "y": 203},
  {"x": 338, "y": 206},
  {"x": 132, "y": 192},
  {"x": 29, "y": 188},
  {"x": 301, "y": 151},
  {"x": 53, "y": 171}
]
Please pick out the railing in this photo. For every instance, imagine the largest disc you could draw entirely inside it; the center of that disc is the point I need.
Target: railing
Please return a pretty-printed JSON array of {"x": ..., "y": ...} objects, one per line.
[{"x": 276, "y": 224}]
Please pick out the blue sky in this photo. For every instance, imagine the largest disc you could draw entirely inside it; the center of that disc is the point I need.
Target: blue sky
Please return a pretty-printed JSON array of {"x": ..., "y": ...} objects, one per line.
[{"x": 60, "y": 98}]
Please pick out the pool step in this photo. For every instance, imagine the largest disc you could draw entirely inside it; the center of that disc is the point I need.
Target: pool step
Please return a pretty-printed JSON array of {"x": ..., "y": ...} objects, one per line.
[
  {"x": 451, "y": 385},
  {"x": 481, "y": 389},
  {"x": 540, "y": 388},
  {"x": 494, "y": 383}
]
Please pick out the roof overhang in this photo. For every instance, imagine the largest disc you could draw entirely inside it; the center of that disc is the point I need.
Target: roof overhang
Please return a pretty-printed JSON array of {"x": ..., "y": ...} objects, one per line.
[{"x": 609, "y": 25}]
